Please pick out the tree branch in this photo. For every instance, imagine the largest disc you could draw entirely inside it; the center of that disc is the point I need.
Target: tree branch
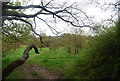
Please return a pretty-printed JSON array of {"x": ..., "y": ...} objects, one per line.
[
  {"x": 12, "y": 66},
  {"x": 47, "y": 12},
  {"x": 51, "y": 28},
  {"x": 21, "y": 7},
  {"x": 15, "y": 18}
]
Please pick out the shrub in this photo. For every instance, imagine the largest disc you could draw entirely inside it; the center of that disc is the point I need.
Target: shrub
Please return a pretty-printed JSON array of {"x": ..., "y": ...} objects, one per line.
[{"x": 103, "y": 58}]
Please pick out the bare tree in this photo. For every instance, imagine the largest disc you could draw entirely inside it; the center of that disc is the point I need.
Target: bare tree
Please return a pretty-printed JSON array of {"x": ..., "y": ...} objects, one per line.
[
  {"x": 67, "y": 14},
  {"x": 108, "y": 5}
]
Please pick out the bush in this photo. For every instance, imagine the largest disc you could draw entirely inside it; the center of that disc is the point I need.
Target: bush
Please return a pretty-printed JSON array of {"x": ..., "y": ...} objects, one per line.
[{"x": 103, "y": 58}]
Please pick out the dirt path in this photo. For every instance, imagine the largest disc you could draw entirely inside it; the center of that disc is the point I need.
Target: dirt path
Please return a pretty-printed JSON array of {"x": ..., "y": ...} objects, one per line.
[
  {"x": 36, "y": 72},
  {"x": 47, "y": 74}
]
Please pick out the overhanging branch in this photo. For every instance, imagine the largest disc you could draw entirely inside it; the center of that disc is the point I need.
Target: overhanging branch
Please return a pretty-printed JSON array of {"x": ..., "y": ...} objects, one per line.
[
  {"x": 15, "y": 18},
  {"x": 12, "y": 66},
  {"x": 51, "y": 28}
]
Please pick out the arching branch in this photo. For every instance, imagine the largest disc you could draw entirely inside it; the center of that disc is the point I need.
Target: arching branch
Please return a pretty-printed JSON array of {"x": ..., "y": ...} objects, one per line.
[{"x": 12, "y": 66}]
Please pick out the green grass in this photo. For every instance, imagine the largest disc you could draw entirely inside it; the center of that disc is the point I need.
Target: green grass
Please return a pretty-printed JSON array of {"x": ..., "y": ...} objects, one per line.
[
  {"x": 12, "y": 56},
  {"x": 59, "y": 61},
  {"x": 14, "y": 75}
]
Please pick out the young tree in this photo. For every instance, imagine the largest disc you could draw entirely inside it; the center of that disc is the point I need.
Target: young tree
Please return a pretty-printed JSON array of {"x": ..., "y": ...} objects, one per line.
[
  {"x": 77, "y": 39},
  {"x": 67, "y": 42}
]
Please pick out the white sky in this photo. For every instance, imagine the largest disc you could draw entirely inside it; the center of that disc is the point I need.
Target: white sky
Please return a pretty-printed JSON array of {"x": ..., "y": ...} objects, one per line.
[{"x": 97, "y": 13}]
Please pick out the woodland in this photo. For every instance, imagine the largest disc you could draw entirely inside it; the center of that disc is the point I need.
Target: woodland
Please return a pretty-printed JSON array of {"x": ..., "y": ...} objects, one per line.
[{"x": 28, "y": 54}]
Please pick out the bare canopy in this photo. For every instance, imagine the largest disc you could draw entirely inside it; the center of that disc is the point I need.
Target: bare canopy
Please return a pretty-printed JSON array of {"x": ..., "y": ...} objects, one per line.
[{"x": 67, "y": 14}]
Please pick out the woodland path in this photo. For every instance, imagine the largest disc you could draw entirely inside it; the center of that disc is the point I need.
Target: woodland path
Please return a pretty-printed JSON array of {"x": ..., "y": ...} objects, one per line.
[{"x": 38, "y": 72}]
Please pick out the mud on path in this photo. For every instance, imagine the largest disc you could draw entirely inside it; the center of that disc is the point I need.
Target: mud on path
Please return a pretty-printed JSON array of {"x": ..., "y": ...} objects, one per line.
[{"x": 36, "y": 72}]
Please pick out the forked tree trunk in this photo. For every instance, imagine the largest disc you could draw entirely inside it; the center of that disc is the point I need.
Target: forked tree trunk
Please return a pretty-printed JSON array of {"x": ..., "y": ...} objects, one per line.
[{"x": 12, "y": 66}]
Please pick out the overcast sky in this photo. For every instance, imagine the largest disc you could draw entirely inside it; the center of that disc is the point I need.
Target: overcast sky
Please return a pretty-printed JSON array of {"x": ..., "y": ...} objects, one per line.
[{"x": 92, "y": 9}]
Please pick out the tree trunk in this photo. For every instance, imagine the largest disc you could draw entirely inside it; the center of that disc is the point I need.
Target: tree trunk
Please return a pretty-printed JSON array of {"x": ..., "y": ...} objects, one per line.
[
  {"x": 77, "y": 50},
  {"x": 12, "y": 66}
]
